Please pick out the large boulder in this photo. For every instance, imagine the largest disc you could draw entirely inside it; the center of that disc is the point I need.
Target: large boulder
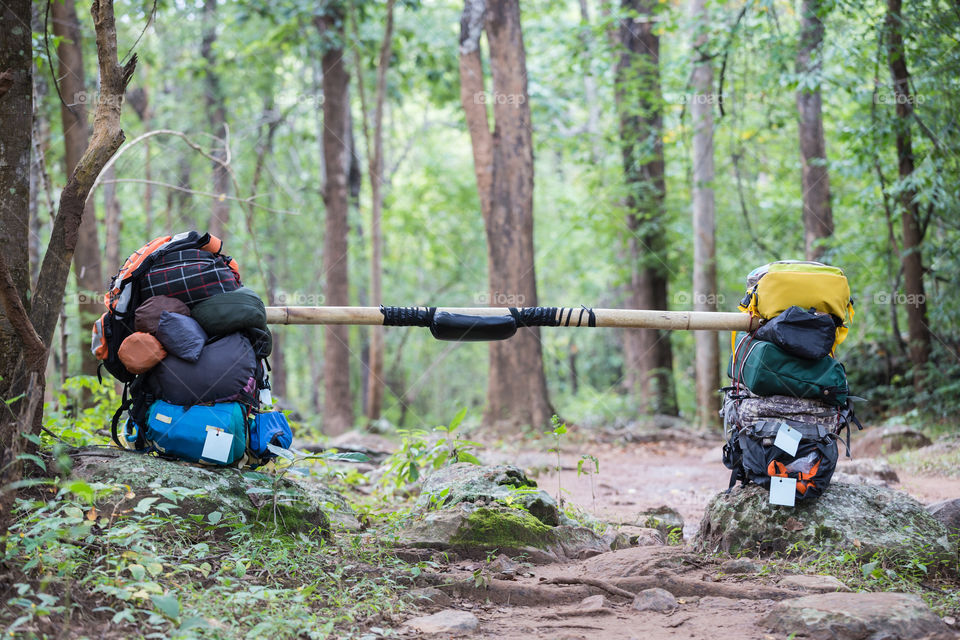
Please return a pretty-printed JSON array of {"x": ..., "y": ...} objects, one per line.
[
  {"x": 948, "y": 513},
  {"x": 473, "y": 531},
  {"x": 857, "y": 616},
  {"x": 862, "y": 519},
  {"x": 502, "y": 483},
  {"x": 249, "y": 496},
  {"x": 664, "y": 519},
  {"x": 882, "y": 441}
]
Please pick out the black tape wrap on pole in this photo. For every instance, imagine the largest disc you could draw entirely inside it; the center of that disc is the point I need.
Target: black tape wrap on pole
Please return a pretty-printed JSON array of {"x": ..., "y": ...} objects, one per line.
[
  {"x": 407, "y": 316},
  {"x": 461, "y": 327}
]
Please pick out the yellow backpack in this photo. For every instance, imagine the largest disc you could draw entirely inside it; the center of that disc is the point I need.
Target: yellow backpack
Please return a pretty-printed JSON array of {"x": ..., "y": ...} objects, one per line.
[{"x": 777, "y": 286}]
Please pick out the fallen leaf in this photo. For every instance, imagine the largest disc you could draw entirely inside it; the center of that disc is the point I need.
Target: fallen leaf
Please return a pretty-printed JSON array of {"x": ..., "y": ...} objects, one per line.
[
  {"x": 792, "y": 524},
  {"x": 92, "y": 514}
]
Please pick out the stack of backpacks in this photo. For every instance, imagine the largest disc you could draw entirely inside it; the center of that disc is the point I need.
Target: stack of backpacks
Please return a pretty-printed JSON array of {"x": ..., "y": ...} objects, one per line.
[
  {"x": 789, "y": 400},
  {"x": 190, "y": 343}
]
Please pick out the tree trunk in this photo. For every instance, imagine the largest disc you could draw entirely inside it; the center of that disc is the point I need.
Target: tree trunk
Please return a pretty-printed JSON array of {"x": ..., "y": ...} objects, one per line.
[
  {"x": 375, "y": 384},
  {"x": 24, "y": 357},
  {"x": 16, "y": 114},
  {"x": 590, "y": 86},
  {"x": 707, "y": 369},
  {"x": 112, "y": 221},
  {"x": 912, "y": 252},
  {"x": 817, "y": 215},
  {"x": 648, "y": 358},
  {"x": 139, "y": 99},
  {"x": 217, "y": 117},
  {"x": 86, "y": 259},
  {"x": 503, "y": 163},
  {"x": 337, "y": 401}
]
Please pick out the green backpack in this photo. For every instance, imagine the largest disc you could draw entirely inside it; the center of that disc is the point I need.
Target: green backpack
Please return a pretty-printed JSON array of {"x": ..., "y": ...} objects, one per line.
[{"x": 767, "y": 370}]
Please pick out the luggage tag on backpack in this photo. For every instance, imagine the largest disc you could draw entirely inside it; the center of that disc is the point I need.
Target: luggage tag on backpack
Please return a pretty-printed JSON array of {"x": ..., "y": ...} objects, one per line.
[
  {"x": 266, "y": 398},
  {"x": 788, "y": 439},
  {"x": 217, "y": 445},
  {"x": 783, "y": 491}
]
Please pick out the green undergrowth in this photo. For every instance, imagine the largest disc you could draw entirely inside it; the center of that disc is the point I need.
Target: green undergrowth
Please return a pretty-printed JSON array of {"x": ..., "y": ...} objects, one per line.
[
  {"x": 941, "y": 460},
  {"x": 146, "y": 572},
  {"x": 919, "y": 572}
]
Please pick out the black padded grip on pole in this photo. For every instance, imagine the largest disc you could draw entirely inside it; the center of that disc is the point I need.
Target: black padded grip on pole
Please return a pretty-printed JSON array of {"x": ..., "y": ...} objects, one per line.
[
  {"x": 463, "y": 328},
  {"x": 549, "y": 316},
  {"x": 407, "y": 316}
]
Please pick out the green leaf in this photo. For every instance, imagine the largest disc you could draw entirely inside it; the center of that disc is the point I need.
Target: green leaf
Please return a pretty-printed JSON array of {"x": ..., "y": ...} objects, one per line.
[
  {"x": 465, "y": 456},
  {"x": 144, "y": 505},
  {"x": 457, "y": 419},
  {"x": 137, "y": 571},
  {"x": 869, "y": 568},
  {"x": 155, "y": 568},
  {"x": 37, "y": 460},
  {"x": 82, "y": 490},
  {"x": 168, "y": 605},
  {"x": 347, "y": 456},
  {"x": 214, "y": 517}
]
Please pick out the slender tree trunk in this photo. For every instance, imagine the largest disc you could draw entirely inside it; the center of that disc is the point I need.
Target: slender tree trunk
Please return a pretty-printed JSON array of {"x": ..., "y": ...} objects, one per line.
[
  {"x": 590, "y": 86},
  {"x": 338, "y": 403},
  {"x": 112, "y": 221},
  {"x": 817, "y": 214},
  {"x": 217, "y": 117},
  {"x": 912, "y": 252},
  {"x": 87, "y": 266},
  {"x": 139, "y": 99},
  {"x": 375, "y": 383},
  {"x": 648, "y": 358},
  {"x": 704, "y": 226},
  {"x": 503, "y": 163}
]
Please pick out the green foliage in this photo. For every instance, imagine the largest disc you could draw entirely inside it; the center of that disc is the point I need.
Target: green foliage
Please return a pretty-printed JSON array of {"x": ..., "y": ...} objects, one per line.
[
  {"x": 421, "y": 452},
  {"x": 144, "y": 570}
]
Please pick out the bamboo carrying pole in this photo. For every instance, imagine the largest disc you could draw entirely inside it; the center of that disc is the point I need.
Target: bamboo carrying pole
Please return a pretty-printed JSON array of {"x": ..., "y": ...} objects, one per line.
[{"x": 623, "y": 318}]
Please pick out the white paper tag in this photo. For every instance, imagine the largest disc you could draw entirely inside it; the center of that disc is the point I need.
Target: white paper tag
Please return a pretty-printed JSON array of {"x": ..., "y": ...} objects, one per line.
[
  {"x": 217, "y": 445},
  {"x": 265, "y": 397},
  {"x": 783, "y": 491},
  {"x": 788, "y": 439},
  {"x": 163, "y": 418}
]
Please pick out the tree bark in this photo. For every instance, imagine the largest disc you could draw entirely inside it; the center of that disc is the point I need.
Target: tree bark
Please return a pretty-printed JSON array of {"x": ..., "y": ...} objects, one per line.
[
  {"x": 338, "y": 403},
  {"x": 648, "y": 358},
  {"x": 912, "y": 252},
  {"x": 375, "y": 383},
  {"x": 139, "y": 99},
  {"x": 16, "y": 114},
  {"x": 817, "y": 214},
  {"x": 22, "y": 366},
  {"x": 217, "y": 118},
  {"x": 87, "y": 266},
  {"x": 707, "y": 367},
  {"x": 590, "y": 86},
  {"x": 503, "y": 163}
]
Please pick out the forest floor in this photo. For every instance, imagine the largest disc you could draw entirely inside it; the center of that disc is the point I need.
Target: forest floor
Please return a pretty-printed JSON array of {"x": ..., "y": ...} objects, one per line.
[{"x": 633, "y": 478}]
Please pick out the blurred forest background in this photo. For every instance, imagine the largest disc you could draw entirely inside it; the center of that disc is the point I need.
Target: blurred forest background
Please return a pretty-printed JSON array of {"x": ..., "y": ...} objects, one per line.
[{"x": 239, "y": 111}]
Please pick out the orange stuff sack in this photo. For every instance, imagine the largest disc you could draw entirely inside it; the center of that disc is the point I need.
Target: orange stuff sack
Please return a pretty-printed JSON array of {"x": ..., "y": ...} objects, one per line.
[{"x": 140, "y": 352}]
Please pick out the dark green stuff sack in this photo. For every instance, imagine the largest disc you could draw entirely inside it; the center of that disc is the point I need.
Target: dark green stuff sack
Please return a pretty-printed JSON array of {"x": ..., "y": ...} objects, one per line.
[
  {"x": 230, "y": 312},
  {"x": 767, "y": 370}
]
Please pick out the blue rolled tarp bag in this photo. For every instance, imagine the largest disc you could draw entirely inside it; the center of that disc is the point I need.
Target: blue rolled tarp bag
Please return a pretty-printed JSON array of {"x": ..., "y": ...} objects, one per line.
[
  {"x": 269, "y": 427},
  {"x": 210, "y": 434}
]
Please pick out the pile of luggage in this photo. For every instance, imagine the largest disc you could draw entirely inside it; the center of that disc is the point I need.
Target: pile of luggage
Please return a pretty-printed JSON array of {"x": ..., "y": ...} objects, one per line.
[
  {"x": 789, "y": 401},
  {"x": 190, "y": 343}
]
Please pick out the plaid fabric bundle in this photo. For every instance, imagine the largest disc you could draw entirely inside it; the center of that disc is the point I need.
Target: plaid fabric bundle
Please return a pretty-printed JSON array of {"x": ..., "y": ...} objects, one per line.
[{"x": 190, "y": 275}]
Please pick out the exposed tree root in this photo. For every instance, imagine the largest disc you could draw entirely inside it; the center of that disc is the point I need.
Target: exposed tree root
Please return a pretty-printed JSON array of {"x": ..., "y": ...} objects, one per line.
[{"x": 592, "y": 582}]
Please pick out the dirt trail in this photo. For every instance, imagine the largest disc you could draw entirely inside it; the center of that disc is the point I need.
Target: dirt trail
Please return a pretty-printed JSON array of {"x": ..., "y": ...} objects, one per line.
[{"x": 632, "y": 479}]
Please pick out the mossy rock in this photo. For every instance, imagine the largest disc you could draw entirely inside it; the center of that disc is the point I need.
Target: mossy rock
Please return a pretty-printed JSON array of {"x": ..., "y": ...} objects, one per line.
[
  {"x": 246, "y": 495},
  {"x": 860, "y": 519},
  {"x": 473, "y": 531},
  {"x": 469, "y": 483}
]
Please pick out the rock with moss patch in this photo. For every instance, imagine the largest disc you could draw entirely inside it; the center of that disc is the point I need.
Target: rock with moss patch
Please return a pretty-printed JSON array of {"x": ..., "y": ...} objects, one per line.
[
  {"x": 882, "y": 441},
  {"x": 506, "y": 484},
  {"x": 861, "y": 519},
  {"x": 473, "y": 531},
  {"x": 245, "y": 495}
]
